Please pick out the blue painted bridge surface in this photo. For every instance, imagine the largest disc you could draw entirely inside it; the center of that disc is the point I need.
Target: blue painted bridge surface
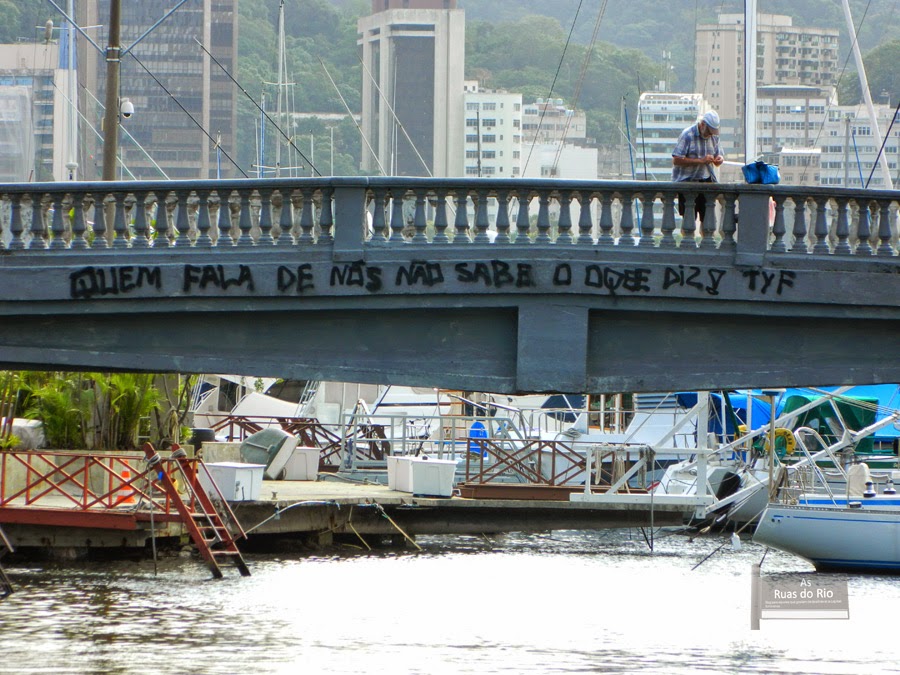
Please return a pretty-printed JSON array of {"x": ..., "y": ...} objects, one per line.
[{"x": 489, "y": 285}]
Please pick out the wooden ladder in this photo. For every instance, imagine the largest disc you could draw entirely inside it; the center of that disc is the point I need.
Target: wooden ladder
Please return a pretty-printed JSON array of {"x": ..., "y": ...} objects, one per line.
[
  {"x": 201, "y": 518},
  {"x": 6, "y": 587}
]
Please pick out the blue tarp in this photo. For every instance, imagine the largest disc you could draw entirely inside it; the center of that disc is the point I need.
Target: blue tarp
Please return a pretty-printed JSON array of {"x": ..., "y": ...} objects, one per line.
[{"x": 759, "y": 411}]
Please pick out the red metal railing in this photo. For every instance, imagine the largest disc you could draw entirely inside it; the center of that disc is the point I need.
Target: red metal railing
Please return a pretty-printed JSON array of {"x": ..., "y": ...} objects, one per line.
[{"x": 96, "y": 483}]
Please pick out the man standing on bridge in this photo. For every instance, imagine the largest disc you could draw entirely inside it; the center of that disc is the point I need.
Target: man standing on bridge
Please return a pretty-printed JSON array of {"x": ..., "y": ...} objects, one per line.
[{"x": 694, "y": 157}]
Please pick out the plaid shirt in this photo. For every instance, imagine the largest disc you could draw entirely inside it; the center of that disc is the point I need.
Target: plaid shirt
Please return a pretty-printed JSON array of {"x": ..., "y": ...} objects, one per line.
[{"x": 692, "y": 145}]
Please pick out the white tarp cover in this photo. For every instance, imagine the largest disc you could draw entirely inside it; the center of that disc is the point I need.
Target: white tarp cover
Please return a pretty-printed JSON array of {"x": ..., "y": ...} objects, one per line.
[{"x": 16, "y": 134}]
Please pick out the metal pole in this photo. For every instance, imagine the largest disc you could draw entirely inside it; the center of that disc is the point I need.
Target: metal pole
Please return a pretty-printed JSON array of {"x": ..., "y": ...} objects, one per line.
[
  {"x": 867, "y": 95},
  {"x": 111, "y": 115}
]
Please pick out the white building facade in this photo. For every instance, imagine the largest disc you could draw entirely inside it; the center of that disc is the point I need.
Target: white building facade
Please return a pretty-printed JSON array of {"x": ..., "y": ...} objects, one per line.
[{"x": 493, "y": 141}]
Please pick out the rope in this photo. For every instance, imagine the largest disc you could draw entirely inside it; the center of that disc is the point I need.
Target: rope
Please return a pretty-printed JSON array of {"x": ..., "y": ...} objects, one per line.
[
  {"x": 399, "y": 529},
  {"x": 278, "y": 512},
  {"x": 350, "y": 524}
]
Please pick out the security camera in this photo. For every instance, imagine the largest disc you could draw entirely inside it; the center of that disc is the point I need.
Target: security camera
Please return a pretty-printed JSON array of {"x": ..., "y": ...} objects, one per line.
[{"x": 127, "y": 108}]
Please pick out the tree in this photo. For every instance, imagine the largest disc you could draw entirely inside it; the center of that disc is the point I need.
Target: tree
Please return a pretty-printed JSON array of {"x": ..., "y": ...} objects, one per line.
[{"x": 881, "y": 67}]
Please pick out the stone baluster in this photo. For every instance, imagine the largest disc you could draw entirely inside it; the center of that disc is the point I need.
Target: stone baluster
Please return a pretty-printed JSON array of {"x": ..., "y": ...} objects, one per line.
[
  {"x": 523, "y": 219},
  {"x": 397, "y": 223},
  {"x": 709, "y": 225},
  {"x": 57, "y": 224},
  {"x": 38, "y": 233},
  {"x": 183, "y": 222},
  {"x": 121, "y": 231},
  {"x": 821, "y": 228},
  {"x": 884, "y": 228},
  {"x": 379, "y": 222},
  {"x": 606, "y": 220},
  {"x": 79, "y": 226},
  {"x": 585, "y": 222},
  {"x": 164, "y": 234},
  {"x": 667, "y": 227},
  {"x": 778, "y": 229},
  {"x": 224, "y": 221},
  {"x": 502, "y": 217},
  {"x": 245, "y": 221},
  {"x": 648, "y": 222},
  {"x": 461, "y": 222},
  {"x": 729, "y": 223},
  {"x": 440, "y": 217},
  {"x": 141, "y": 237},
  {"x": 326, "y": 217},
  {"x": 17, "y": 242},
  {"x": 863, "y": 228},
  {"x": 306, "y": 217},
  {"x": 481, "y": 217},
  {"x": 286, "y": 219},
  {"x": 843, "y": 228},
  {"x": 801, "y": 209},
  {"x": 100, "y": 236},
  {"x": 265, "y": 217},
  {"x": 626, "y": 223},
  {"x": 543, "y": 219},
  {"x": 419, "y": 221},
  {"x": 204, "y": 222},
  {"x": 688, "y": 222},
  {"x": 564, "y": 226}
]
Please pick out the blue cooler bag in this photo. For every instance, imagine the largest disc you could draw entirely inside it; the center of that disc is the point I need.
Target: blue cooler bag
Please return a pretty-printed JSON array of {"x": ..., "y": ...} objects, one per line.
[{"x": 760, "y": 172}]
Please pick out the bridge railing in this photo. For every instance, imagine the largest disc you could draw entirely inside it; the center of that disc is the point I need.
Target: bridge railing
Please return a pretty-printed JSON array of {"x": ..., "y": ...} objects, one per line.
[{"x": 354, "y": 213}]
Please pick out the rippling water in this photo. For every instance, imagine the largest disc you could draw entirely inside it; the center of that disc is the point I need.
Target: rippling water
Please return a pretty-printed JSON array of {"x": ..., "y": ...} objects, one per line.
[{"x": 567, "y": 602}]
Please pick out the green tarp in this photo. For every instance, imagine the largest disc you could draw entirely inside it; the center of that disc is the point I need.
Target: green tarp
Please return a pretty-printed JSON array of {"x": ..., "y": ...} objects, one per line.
[{"x": 857, "y": 412}]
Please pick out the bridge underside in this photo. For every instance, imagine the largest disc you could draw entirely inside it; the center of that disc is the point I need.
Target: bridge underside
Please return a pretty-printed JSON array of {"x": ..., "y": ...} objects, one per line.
[{"x": 534, "y": 345}]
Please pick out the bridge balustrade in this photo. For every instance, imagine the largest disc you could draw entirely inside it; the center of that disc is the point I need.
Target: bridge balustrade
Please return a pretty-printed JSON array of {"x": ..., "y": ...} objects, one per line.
[{"x": 351, "y": 213}]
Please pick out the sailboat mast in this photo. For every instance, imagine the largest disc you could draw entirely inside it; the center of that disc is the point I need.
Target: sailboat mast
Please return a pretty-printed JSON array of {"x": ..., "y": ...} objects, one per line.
[
  {"x": 867, "y": 95},
  {"x": 71, "y": 145},
  {"x": 750, "y": 29},
  {"x": 282, "y": 79}
]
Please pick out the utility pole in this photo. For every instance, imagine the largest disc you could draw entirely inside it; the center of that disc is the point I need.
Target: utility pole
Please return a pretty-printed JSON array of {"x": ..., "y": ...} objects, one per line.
[{"x": 111, "y": 115}]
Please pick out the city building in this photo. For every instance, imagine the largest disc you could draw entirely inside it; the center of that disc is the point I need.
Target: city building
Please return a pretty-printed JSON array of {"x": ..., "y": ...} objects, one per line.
[
  {"x": 786, "y": 54},
  {"x": 493, "y": 142},
  {"x": 549, "y": 121},
  {"x": 413, "y": 111},
  {"x": 850, "y": 149},
  {"x": 790, "y": 116},
  {"x": 184, "y": 102},
  {"x": 27, "y": 111}
]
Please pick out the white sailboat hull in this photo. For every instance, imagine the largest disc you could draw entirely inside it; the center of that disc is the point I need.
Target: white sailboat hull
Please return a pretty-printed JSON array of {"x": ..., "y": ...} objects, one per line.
[{"x": 852, "y": 539}]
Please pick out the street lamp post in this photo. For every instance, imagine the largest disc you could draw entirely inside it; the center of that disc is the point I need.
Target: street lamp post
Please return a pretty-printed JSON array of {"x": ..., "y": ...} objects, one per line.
[{"x": 111, "y": 114}]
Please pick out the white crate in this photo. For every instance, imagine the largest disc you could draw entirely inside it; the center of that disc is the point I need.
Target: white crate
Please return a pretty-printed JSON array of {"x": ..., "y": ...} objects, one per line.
[
  {"x": 399, "y": 473},
  {"x": 432, "y": 477},
  {"x": 236, "y": 481},
  {"x": 303, "y": 464}
]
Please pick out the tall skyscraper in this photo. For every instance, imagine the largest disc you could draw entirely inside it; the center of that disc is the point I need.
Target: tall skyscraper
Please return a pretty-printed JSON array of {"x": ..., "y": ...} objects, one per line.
[
  {"x": 183, "y": 102},
  {"x": 413, "y": 111}
]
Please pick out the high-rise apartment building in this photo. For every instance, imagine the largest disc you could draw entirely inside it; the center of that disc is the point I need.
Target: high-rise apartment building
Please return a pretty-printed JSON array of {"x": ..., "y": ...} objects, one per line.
[
  {"x": 790, "y": 116},
  {"x": 413, "y": 53},
  {"x": 786, "y": 54},
  {"x": 493, "y": 144},
  {"x": 183, "y": 102},
  {"x": 850, "y": 148}
]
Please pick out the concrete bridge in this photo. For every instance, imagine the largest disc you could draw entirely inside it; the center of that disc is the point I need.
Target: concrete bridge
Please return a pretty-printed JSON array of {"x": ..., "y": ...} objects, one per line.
[{"x": 488, "y": 285}]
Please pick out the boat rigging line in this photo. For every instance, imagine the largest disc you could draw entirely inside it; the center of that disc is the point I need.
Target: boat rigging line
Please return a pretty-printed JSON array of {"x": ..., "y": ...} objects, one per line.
[
  {"x": 289, "y": 140},
  {"x": 215, "y": 143},
  {"x": 350, "y": 113},
  {"x": 391, "y": 110},
  {"x": 581, "y": 76},
  {"x": 553, "y": 85}
]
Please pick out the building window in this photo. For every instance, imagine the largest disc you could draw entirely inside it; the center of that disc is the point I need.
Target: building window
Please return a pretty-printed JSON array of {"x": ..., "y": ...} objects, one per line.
[{"x": 489, "y": 138}]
